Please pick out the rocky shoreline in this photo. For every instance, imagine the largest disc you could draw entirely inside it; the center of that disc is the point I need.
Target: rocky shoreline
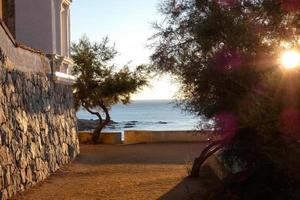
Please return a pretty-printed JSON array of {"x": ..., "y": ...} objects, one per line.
[{"x": 91, "y": 124}]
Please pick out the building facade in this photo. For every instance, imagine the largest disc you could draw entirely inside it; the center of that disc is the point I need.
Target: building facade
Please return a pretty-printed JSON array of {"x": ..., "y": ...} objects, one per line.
[{"x": 44, "y": 26}]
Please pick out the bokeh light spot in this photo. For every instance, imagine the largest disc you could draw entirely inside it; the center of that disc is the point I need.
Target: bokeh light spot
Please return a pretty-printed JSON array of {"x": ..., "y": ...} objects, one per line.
[
  {"x": 290, "y": 59},
  {"x": 226, "y": 123}
]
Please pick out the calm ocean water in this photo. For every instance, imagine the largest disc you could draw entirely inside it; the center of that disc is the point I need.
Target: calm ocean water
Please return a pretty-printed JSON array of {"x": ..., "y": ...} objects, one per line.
[{"x": 148, "y": 115}]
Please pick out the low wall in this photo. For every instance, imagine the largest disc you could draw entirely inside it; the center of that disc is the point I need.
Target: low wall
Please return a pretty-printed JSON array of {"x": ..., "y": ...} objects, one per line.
[
  {"x": 131, "y": 137},
  {"x": 105, "y": 138}
]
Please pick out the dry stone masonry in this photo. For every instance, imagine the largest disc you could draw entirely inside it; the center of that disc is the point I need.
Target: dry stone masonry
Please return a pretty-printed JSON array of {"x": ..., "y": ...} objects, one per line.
[{"x": 38, "y": 129}]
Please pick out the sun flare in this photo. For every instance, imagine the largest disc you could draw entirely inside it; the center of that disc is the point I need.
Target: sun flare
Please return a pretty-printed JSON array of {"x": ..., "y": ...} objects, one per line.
[{"x": 290, "y": 59}]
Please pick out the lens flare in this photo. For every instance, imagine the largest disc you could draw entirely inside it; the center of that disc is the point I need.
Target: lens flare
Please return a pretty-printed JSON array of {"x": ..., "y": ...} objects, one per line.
[{"x": 290, "y": 59}]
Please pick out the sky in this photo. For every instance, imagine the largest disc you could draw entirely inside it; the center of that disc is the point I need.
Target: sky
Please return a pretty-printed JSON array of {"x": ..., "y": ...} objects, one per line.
[{"x": 128, "y": 25}]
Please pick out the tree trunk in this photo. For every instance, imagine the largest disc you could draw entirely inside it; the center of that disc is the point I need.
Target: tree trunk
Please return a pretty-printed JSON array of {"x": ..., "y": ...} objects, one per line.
[
  {"x": 96, "y": 133},
  {"x": 102, "y": 124},
  {"x": 205, "y": 154},
  {"x": 98, "y": 130}
]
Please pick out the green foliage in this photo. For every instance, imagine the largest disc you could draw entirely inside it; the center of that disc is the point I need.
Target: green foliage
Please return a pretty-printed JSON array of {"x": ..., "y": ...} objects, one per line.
[
  {"x": 99, "y": 85},
  {"x": 226, "y": 56},
  {"x": 221, "y": 53},
  {"x": 97, "y": 79}
]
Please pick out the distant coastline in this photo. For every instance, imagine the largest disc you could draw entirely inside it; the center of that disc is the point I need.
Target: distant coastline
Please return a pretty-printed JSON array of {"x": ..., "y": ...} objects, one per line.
[
  {"x": 144, "y": 115},
  {"x": 91, "y": 124}
]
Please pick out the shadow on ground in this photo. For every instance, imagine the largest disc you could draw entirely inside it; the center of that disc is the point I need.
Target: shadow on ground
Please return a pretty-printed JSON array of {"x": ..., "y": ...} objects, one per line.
[
  {"x": 120, "y": 172},
  {"x": 194, "y": 188}
]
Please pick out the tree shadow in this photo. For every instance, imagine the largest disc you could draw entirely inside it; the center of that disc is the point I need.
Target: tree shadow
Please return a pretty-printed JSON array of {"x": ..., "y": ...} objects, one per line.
[{"x": 194, "y": 188}]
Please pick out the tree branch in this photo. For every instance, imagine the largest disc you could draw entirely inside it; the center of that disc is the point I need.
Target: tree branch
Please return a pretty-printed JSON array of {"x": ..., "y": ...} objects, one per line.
[
  {"x": 206, "y": 153},
  {"x": 104, "y": 108},
  {"x": 93, "y": 113}
]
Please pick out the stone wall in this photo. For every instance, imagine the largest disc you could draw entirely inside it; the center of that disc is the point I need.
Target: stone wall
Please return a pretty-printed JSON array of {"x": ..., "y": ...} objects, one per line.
[{"x": 38, "y": 129}]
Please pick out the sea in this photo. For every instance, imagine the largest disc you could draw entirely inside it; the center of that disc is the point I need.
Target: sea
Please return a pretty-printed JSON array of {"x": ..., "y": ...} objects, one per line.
[{"x": 150, "y": 115}]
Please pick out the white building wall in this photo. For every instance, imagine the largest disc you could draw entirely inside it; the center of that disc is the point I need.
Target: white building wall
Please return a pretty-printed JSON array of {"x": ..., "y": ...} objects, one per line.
[
  {"x": 39, "y": 25},
  {"x": 45, "y": 25},
  {"x": 57, "y": 23},
  {"x": 34, "y": 24}
]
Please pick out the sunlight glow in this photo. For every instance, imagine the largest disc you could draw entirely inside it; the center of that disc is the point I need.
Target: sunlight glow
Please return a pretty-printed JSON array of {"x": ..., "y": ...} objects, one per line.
[{"x": 290, "y": 59}]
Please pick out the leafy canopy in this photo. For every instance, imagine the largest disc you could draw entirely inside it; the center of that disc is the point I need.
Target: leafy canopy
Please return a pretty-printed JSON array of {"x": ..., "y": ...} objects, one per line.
[
  {"x": 98, "y": 82},
  {"x": 225, "y": 54}
]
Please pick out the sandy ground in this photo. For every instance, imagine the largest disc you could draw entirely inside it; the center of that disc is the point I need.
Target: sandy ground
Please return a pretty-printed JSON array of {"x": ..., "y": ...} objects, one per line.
[{"x": 142, "y": 171}]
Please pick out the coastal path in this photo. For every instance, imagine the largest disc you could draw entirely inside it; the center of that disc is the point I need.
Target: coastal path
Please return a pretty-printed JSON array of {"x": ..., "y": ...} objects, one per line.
[{"x": 141, "y": 171}]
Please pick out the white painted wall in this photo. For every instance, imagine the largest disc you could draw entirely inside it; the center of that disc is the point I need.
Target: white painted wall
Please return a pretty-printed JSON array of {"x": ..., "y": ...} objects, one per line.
[
  {"x": 57, "y": 25},
  {"x": 34, "y": 24},
  {"x": 38, "y": 25}
]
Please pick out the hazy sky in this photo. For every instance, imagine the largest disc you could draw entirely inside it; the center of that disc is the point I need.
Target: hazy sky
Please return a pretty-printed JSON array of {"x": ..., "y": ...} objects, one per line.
[{"x": 128, "y": 24}]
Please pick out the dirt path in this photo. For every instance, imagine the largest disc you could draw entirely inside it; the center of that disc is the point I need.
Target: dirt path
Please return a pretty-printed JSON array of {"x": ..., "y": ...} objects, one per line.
[{"x": 144, "y": 171}]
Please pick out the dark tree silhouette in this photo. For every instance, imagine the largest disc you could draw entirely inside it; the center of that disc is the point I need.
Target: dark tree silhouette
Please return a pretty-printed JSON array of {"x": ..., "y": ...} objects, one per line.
[{"x": 225, "y": 54}]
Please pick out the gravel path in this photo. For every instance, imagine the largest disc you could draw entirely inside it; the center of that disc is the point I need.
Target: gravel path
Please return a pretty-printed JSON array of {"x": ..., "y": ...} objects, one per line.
[{"x": 142, "y": 171}]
